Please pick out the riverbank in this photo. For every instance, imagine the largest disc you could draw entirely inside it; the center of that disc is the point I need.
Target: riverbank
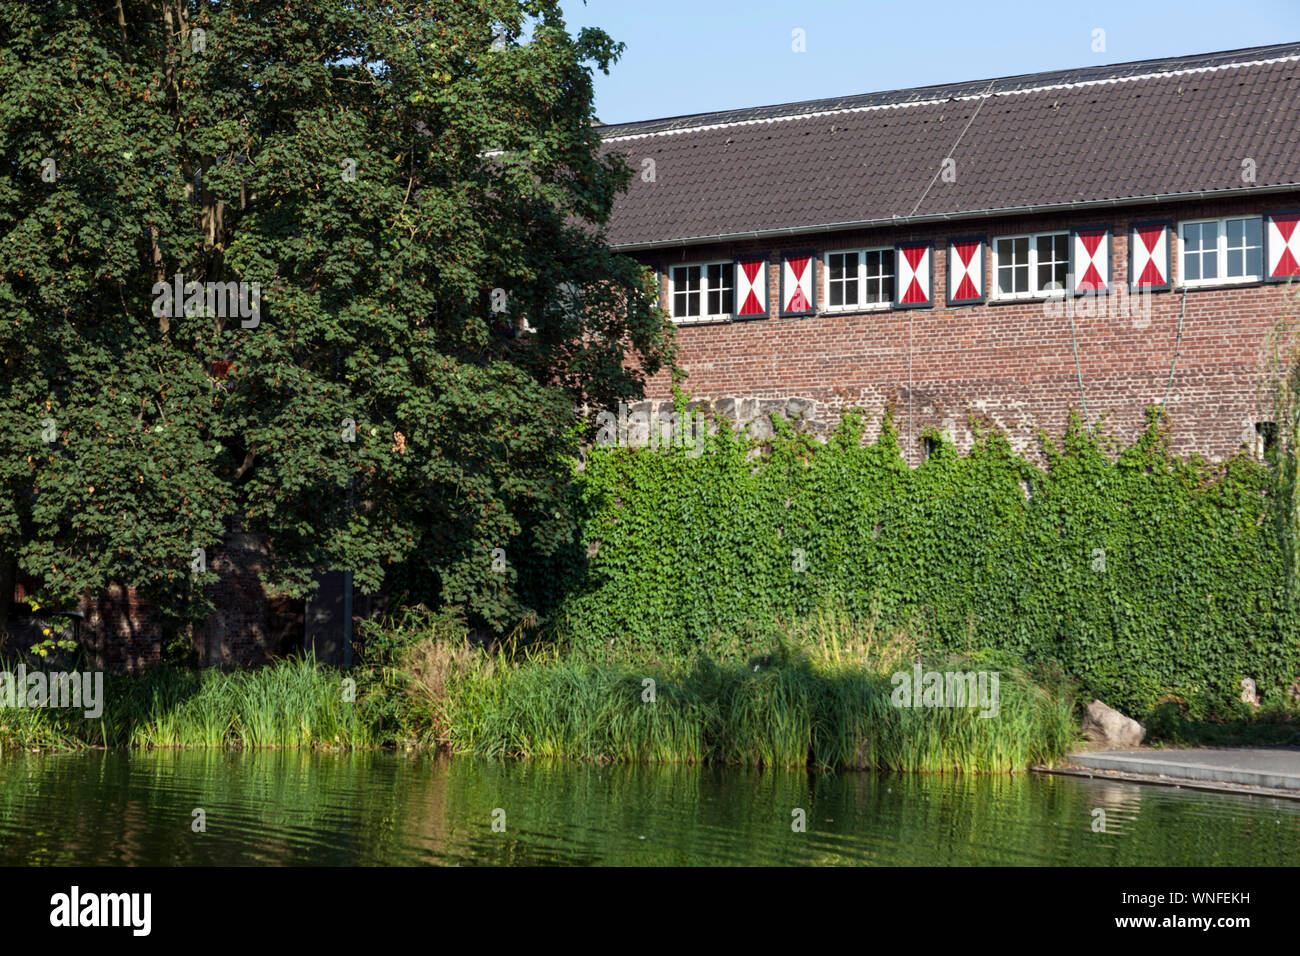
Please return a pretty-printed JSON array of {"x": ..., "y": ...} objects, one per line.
[
  {"x": 829, "y": 693},
  {"x": 787, "y": 713}
]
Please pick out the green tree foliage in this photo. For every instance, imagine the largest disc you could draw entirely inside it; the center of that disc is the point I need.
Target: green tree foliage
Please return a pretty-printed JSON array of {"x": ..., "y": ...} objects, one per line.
[
  {"x": 378, "y": 171},
  {"x": 1141, "y": 573}
]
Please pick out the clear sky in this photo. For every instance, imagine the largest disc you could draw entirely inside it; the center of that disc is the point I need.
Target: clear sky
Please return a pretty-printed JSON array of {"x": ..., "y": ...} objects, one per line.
[{"x": 693, "y": 56}]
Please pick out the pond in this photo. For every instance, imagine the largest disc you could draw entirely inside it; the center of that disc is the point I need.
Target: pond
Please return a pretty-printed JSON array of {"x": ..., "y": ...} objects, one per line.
[{"x": 383, "y": 808}]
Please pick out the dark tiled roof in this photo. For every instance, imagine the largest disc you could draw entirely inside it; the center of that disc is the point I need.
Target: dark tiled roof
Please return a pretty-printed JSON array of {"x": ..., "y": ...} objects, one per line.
[{"x": 1103, "y": 134}]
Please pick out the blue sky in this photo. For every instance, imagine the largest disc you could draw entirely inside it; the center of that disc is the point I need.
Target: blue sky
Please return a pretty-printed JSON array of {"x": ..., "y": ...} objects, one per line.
[{"x": 692, "y": 56}]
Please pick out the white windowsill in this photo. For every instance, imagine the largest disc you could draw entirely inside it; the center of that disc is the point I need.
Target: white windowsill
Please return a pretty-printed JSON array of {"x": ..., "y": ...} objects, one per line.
[
  {"x": 1027, "y": 296},
  {"x": 864, "y": 307},
  {"x": 1207, "y": 283}
]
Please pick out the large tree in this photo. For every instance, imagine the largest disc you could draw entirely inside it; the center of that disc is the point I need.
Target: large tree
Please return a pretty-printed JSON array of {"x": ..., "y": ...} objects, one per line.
[{"x": 406, "y": 185}]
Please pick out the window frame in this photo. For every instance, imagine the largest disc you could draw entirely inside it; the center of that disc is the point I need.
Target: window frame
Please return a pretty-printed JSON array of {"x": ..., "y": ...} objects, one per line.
[
  {"x": 856, "y": 280},
  {"x": 704, "y": 292},
  {"x": 860, "y": 282},
  {"x": 1221, "y": 253},
  {"x": 1034, "y": 292}
]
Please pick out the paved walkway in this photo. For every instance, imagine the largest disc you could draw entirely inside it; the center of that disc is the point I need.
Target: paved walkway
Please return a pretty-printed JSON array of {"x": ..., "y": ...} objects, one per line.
[{"x": 1276, "y": 768}]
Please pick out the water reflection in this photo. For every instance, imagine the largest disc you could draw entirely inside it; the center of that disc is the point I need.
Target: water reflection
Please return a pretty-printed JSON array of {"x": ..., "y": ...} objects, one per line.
[{"x": 383, "y": 808}]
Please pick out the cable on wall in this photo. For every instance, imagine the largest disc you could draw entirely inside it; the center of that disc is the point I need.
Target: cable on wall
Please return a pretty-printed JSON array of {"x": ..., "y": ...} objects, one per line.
[
  {"x": 1177, "y": 351},
  {"x": 935, "y": 177},
  {"x": 1078, "y": 370}
]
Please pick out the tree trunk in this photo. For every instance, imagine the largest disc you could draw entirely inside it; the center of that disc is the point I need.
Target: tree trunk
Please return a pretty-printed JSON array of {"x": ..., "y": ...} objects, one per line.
[{"x": 6, "y": 594}]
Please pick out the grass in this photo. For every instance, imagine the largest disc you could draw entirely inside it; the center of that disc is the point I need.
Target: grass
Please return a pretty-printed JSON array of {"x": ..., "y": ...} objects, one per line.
[
  {"x": 289, "y": 704},
  {"x": 821, "y": 698}
]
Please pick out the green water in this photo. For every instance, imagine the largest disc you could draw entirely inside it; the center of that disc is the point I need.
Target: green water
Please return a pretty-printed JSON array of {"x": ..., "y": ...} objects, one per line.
[{"x": 383, "y": 808}]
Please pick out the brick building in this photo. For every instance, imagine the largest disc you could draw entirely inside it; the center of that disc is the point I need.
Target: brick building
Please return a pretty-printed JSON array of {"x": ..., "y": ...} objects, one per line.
[{"x": 1100, "y": 239}]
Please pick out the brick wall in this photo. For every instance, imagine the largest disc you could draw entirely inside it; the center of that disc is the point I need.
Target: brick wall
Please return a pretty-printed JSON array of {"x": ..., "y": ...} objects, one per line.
[
  {"x": 122, "y": 631},
  {"x": 1007, "y": 364},
  {"x": 248, "y": 625}
]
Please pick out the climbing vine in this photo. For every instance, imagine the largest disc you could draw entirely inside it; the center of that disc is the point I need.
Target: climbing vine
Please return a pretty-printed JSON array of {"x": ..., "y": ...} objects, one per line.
[{"x": 1146, "y": 575}]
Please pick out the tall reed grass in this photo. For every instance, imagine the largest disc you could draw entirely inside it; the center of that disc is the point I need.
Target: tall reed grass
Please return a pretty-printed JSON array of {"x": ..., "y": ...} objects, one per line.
[
  {"x": 289, "y": 704},
  {"x": 821, "y": 698}
]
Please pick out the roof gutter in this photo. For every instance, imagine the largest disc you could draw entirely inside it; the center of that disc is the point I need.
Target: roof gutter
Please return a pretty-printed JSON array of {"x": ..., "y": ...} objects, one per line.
[{"x": 951, "y": 217}]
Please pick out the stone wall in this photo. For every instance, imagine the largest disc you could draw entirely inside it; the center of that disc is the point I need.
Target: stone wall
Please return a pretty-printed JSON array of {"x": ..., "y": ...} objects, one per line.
[{"x": 751, "y": 415}]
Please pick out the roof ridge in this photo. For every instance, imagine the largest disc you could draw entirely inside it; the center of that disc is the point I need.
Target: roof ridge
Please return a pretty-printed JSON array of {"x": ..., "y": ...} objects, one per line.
[{"x": 916, "y": 96}]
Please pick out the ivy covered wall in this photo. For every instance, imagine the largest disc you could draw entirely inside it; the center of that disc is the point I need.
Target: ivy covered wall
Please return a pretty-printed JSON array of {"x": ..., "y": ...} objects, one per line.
[{"x": 1143, "y": 574}]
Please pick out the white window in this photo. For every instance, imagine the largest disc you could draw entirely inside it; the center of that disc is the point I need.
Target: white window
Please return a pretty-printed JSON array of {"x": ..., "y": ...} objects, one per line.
[
  {"x": 702, "y": 292},
  {"x": 878, "y": 276},
  {"x": 1215, "y": 251},
  {"x": 843, "y": 277},
  {"x": 1031, "y": 266},
  {"x": 859, "y": 279}
]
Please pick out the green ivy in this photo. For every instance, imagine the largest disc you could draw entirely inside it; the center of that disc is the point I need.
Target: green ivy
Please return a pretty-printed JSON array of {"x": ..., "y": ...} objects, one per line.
[{"x": 1147, "y": 576}]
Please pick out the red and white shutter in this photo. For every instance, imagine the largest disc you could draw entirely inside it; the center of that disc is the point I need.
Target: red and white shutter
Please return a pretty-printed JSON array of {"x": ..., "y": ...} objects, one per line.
[
  {"x": 1090, "y": 260},
  {"x": 1282, "y": 245},
  {"x": 1148, "y": 257},
  {"x": 914, "y": 285},
  {"x": 798, "y": 293},
  {"x": 965, "y": 271},
  {"x": 751, "y": 288}
]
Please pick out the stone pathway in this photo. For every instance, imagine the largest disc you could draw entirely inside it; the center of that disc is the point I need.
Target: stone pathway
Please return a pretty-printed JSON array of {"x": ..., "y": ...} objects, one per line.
[{"x": 1274, "y": 768}]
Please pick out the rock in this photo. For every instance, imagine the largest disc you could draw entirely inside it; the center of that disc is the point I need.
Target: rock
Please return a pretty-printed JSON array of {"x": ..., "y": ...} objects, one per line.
[
  {"x": 1110, "y": 729},
  {"x": 796, "y": 408},
  {"x": 1249, "y": 691},
  {"x": 700, "y": 405},
  {"x": 662, "y": 427},
  {"x": 638, "y": 433},
  {"x": 761, "y": 429}
]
